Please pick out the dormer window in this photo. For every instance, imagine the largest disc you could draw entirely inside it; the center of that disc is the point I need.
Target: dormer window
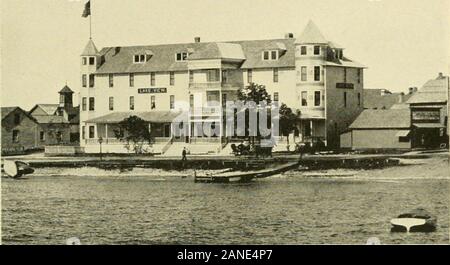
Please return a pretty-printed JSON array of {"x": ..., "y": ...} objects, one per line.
[
  {"x": 316, "y": 50},
  {"x": 271, "y": 55},
  {"x": 181, "y": 56},
  {"x": 139, "y": 58}
]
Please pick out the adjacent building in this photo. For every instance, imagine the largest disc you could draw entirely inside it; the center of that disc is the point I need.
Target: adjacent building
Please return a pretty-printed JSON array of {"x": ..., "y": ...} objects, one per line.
[
  {"x": 59, "y": 122},
  {"x": 20, "y": 131},
  {"x": 158, "y": 82}
]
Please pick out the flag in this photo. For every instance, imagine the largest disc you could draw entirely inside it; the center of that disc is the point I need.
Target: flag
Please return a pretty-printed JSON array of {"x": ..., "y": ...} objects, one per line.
[{"x": 87, "y": 9}]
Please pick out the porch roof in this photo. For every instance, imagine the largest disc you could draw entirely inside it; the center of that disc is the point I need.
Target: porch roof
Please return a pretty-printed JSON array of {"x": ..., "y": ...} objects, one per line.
[
  {"x": 149, "y": 116},
  {"x": 428, "y": 125}
]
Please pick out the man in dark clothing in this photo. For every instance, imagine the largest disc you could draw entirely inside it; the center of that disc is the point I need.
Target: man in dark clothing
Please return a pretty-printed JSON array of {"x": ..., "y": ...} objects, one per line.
[{"x": 183, "y": 154}]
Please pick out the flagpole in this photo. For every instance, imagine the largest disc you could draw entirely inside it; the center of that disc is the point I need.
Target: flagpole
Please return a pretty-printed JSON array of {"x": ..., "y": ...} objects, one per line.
[{"x": 90, "y": 19}]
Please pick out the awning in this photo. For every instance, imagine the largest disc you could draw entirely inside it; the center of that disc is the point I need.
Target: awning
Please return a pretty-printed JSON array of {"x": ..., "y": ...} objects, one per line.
[
  {"x": 428, "y": 125},
  {"x": 403, "y": 133},
  {"x": 149, "y": 116}
]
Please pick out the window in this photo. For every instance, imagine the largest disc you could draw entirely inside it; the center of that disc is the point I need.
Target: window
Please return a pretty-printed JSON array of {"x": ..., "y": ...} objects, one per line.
[
  {"x": 224, "y": 76},
  {"x": 152, "y": 102},
  {"x": 403, "y": 139},
  {"x": 345, "y": 99},
  {"x": 172, "y": 101},
  {"x": 172, "y": 78},
  {"x": 359, "y": 76},
  {"x": 91, "y": 60},
  {"x": 139, "y": 58},
  {"x": 345, "y": 75},
  {"x": 270, "y": 55},
  {"x": 316, "y": 50},
  {"x": 42, "y": 136},
  {"x": 84, "y": 80},
  {"x": 111, "y": 80},
  {"x": 317, "y": 98},
  {"x": 131, "y": 80},
  {"x": 131, "y": 103},
  {"x": 213, "y": 75},
  {"x": 249, "y": 76},
  {"x": 91, "y": 132},
  {"x": 304, "y": 73},
  {"x": 275, "y": 75},
  {"x": 359, "y": 99},
  {"x": 191, "y": 76},
  {"x": 308, "y": 129},
  {"x": 91, "y": 80},
  {"x": 16, "y": 119},
  {"x": 274, "y": 55},
  {"x": 15, "y": 136},
  {"x": 84, "y": 60},
  {"x": 224, "y": 100},
  {"x": 181, "y": 56},
  {"x": 91, "y": 103},
  {"x": 111, "y": 103},
  {"x": 83, "y": 103},
  {"x": 191, "y": 101},
  {"x": 304, "y": 98},
  {"x": 316, "y": 73},
  {"x": 83, "y": 132},
  {"x": 152, "y": 79},
  {"x": 275, "y": 96},
  {"x": 303, "y": 50}
]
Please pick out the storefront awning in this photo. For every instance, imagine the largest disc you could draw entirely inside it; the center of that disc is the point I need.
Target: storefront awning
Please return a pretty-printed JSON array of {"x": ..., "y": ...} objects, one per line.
[
  {"x": 428, "y": 125},
  {"x": 149, "y": 116},
  {"x": 403, "y": 133}
]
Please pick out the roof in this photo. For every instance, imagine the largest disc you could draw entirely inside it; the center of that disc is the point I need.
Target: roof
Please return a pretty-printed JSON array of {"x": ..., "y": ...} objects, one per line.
[
  {"x": 219, "y": 51},
  {"x": 382, "y": 119},
  {"x": 90, "y": 49},
  {"x": 428, "y": 125},
  {"x": 433, "y": 91},
  {"x": 66, "y": 89},
  {"x": 44, "y": 119},
  {"x": 311, "y": 35},
  {"x": 378, "y": 99},
  {"x": 8, "y": 110},
  {"x": 50, "y": 109},
  {"x": 149, "y": 116}
]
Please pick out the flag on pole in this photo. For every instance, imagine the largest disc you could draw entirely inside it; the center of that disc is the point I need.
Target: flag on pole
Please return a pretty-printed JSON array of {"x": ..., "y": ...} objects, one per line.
[{"x": 87, "y": 9}]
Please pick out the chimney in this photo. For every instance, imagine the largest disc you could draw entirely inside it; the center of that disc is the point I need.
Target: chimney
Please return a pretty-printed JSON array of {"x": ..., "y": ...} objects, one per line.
[
  {"x": 197, "y": 39},
  {"x": 440, "y": 76},
  {"x": 116, "y": 50},
  {"x": 400, "y": 97},
  {"x": 289, "y": 35}
]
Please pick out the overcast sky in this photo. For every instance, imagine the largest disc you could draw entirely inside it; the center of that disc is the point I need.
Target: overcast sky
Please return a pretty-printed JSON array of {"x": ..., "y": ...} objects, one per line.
[{"x": 402, "y": 42}]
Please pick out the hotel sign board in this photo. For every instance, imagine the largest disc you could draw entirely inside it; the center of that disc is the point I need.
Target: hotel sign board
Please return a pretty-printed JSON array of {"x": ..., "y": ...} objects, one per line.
[
  {"x": 152, "y": 90},
  {"x": 426, "y": 115},
  {"x": 345, "y": 85}
]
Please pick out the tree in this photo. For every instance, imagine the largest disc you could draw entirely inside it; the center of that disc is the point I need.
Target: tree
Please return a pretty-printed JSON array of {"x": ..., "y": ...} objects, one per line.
[
  {"x": 135, "y": 132},
  {"x": 288, "y": 120}
]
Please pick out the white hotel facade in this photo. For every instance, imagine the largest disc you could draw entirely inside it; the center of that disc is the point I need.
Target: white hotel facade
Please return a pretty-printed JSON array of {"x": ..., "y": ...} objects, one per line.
[{"x": 158, "y": 82}]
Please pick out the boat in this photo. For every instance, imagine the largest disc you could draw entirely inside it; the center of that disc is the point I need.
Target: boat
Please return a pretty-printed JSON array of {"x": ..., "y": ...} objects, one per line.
[
  {"x": 417, "y": 220},
  {"x": 16, "y": 169},
  {"x": 243, "y": 176}
]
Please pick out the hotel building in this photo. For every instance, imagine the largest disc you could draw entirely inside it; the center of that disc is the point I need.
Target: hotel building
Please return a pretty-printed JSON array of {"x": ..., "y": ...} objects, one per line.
[{"x": 158, "y": 82}]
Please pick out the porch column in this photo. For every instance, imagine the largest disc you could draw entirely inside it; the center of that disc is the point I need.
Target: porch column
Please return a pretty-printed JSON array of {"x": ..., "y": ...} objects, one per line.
[
  {"x": 311, "y": 125},
  {"x": 106, "y": 132}
]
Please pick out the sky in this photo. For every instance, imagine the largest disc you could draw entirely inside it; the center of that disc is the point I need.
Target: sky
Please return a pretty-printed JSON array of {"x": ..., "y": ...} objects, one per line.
[{"x": 403, "y": 43}]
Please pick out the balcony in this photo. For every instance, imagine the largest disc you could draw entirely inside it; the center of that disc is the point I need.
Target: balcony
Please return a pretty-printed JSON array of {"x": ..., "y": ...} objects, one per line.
[
  {"x": 215, "y": 85},
  {"x": 211, "y": 110}
]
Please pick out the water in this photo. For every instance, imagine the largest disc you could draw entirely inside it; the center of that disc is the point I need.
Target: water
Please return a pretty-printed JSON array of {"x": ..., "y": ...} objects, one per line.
[{"x": 112, "y": 207}]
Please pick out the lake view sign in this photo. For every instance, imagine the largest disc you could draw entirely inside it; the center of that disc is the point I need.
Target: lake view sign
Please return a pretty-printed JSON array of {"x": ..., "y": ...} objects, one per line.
[{"x": 152, "y": 90}]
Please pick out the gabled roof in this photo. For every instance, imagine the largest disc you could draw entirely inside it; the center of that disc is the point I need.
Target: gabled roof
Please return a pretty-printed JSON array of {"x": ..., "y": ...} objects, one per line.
[
  {"x": 149, "y": 116},
  {"x": 50, "y": 109},
  {"x": 311, "y": 35},
  {"x": 433, "y": 91},
  {"x": 45, "y": 119},
  {"x": 66, "y": 89},
  {"x": 8, "y": 110},
  {"x": 376, "y": 99},
  {"x": 382, "y": 119},
  {"x": 90, "y": 49}
]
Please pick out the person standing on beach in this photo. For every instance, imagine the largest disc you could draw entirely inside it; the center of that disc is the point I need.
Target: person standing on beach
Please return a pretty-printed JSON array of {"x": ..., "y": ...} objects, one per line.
[{"x": 183, "y": 154}]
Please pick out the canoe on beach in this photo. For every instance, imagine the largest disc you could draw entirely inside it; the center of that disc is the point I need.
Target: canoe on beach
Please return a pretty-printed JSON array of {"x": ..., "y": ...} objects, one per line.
[{"x": 243, "y": 176}]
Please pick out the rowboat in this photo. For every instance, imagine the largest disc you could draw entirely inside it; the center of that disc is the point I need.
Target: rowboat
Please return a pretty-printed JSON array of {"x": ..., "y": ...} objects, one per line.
[
  {"x": 16, "y": 169},
  {"x": 243, "y": 176},
  {"x": 418, "y": 220}
]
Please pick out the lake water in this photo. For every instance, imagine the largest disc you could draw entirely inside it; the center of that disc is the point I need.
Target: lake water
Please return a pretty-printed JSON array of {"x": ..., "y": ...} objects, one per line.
[{"x": 112, "y": 207}]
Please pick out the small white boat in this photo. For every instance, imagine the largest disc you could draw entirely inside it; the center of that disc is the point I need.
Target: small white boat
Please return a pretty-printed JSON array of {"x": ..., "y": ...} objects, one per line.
[
  {"x": 408, "y": 222},
  {"x": 16, "y": 169}
]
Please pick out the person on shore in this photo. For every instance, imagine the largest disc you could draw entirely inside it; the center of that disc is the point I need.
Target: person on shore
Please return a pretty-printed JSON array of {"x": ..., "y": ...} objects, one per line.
[{"x": 183, "y": 154}]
